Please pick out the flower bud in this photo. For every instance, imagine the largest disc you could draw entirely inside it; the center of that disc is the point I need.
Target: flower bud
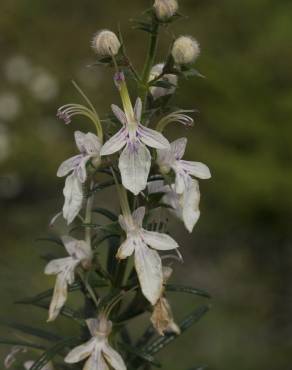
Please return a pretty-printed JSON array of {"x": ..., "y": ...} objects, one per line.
[
  {"x": 105, "y": 43},
  {"x": 165, "y": 9},
  {"x": 157, "y": 91},
  {"x": 185, "y": 50}
]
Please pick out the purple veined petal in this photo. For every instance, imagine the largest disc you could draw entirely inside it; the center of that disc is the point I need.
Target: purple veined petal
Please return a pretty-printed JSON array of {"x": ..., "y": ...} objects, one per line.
[
  {"x": 58, "y": 265},
  {"x": 115, "y": 143},
  {"x": 152, "y": 138},
  {"x": 138, "y": 109},
  {"x": 79, "y": 139},
  {"x": 69, "y": 165},
  {"x": 78, "y": 249},
  {"x": 138, "y": 216},
  {"x": 119, "y": 114},
  {"x": 149, "y": 270},
  {"x": 181, "y": 178},
  {"x": 81, "y": 169},
  {"x": 197, "y": 169},
  {"x": 92, "y": 144},
  {"x": 134, "y": 165},
  {"x": 178, "y": 147},
  {"x": 159, "y": 241}
]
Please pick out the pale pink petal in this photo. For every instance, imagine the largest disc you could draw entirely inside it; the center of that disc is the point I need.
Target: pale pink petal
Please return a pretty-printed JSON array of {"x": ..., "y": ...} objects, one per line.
[
  {"x": 59, "y": 297},
  {"x": 78, "y": 249},
  {"x": 81, "y": 169},
  {"x": 149, "y": 271},
  {"x": 92, "y": 144},
  {"x": 190, "y": 205},
  {"x": 126, "y": 249},
  {"x": 197, "y": 169},
  {"x": 115, "y": 143},
  {"x": 81, "y": 352},
  {"x": 119, "y": 114},
  {"x": 138, "y": 216},
  {"x": 69, "y": 165},
  {"x": 56, "y": 266},
  {"x": 178, "y": 147},
  {"x": 79, "y": 139},
  {"x": 159, "y": 241},
  {"x": 134, "y": 165},
  {"x": 93, "y": 325},
  {"x": 153, "y": 138},
  {"x": 73, "y": 198},
  {"x": 96, "y": 361},
  {"x": 113, "y": 358},
  {"x": 138, "y": 109}
]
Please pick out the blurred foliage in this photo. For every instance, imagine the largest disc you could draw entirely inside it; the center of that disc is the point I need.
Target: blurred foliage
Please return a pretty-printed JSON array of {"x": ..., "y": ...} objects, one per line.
[{"x": 241, "y": 248}]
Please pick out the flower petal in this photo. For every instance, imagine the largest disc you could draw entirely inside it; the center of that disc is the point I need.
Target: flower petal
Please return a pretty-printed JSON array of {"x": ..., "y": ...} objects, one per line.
[
  {"x": 59, "y": 297},
  {"x": 138, "y": 109},
  {"x": 159, "y": 241},
  {"x": 119, "y": 114},
  {"x": 69, "y": 165},
  {"x": 113, "y": 358},
  {"x": 115, "y": 143},
  {"x": 96, "y": 361},
  {"x": 178, "y": 147},
  {"x": 58, "y": 265},
  {"x": 190, "y": 205},
  {"x": 92, "y": 144},
  {"x": 134, "y": 165},
  {"x": 126, "y": 249},
  {"x": 181, "y": 178},
  {"x": 81, "y": 169},
  {"x": 79, "y": 139},
  {"x": 153, "y": 138},
  {"x": 81, "y": 352},
  {"x": 78, "y": 249},
  {"x": 73, "y": 198},
  {"x": 197, "y": 169},
  {"x": 149, "y": 271},
  {"x": 138, "y": 216}
]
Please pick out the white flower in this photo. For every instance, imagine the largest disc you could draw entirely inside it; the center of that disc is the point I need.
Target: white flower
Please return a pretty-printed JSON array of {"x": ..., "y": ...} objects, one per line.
[
  {"x": 105, "y": 43},
  {"x": 48, "y": 366},
  {"x": 185, "y": 50},
  {"x": 89, "y": 146},
  {"x": 157, "y": 91},
  {"x": 165, "y": 9},
  {"x": 172, "y": 159},
  {"x": 64, "y": 268},
  {"x": 147, "y": 260},
  {"x": 101, "y": 356},
  {"x": 162, "y": 317},
  {"x": 184, "y": 206},
  {"x": 135, "y": 159}
]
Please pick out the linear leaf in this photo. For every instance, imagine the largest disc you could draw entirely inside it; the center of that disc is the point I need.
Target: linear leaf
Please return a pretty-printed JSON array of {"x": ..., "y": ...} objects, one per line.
[
  {"x": 139, "y": 353},
  {"x": 186, "y": 289},
  {"x": 105, "y": 212},
  {"x": 52, "y": 239},
  {"x": 52, "y": 352},
  {"x": 162, "y": 342},
  {"x": 103, "y": 185},
  {"x": 32, "y": 331},
  {"x": 12, "y": 342}
]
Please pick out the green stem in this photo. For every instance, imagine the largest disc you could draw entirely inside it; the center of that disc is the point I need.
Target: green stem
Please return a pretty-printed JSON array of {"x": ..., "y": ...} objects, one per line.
[
  {"x": 150, "y": 61},
  {"x": 88, "y": 213}
]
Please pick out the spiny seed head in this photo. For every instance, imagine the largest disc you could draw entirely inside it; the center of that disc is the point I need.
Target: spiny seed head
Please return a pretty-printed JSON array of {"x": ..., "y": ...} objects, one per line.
[
  {"x": 165, "y": 9},
  {"x": 185, "y": 50},
  {"x": 157, "y": 91},
  {"x": 105, "y": 43}
]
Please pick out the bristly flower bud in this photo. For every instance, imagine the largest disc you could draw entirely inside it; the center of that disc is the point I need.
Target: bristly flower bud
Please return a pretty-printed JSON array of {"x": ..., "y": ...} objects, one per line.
[
  {"x": 157, "y": 91},
  {"x": 185, "y": 50},
  {"x": 165, "y": 9},
  {"x": 105, "y": 43}
]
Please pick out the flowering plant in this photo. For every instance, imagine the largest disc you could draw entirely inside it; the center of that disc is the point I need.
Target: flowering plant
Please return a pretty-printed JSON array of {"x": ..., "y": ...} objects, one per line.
[{"x": 151, "y": 180}]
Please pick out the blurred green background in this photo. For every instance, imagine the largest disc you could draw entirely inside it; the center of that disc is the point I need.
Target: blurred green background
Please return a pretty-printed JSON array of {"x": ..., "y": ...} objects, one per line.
[{"x": 240, "y": 250}]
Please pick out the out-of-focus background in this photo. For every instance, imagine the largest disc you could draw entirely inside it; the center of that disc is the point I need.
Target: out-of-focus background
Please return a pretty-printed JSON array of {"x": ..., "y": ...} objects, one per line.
[{"x": 240, "y": 250}]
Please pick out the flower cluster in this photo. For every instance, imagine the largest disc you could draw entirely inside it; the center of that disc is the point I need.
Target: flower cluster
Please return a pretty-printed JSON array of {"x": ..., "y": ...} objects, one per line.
[{"x": 150, "y": 177}]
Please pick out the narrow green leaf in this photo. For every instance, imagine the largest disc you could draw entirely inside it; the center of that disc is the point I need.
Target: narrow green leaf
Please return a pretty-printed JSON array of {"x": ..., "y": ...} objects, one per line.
[
  {"x": 103, "y": 185},
  {"x": 105, "y": 212},
  {"x": 139, "y": 353},
  {"x": 161, "y": 342},
  {"x": 36, "y": 332},
  {"x": 12, "y": 342},
  {"x": 186, "y": 289},
  {"x": 52, "y": 352},
  {"x": 51, "y": 239}
]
